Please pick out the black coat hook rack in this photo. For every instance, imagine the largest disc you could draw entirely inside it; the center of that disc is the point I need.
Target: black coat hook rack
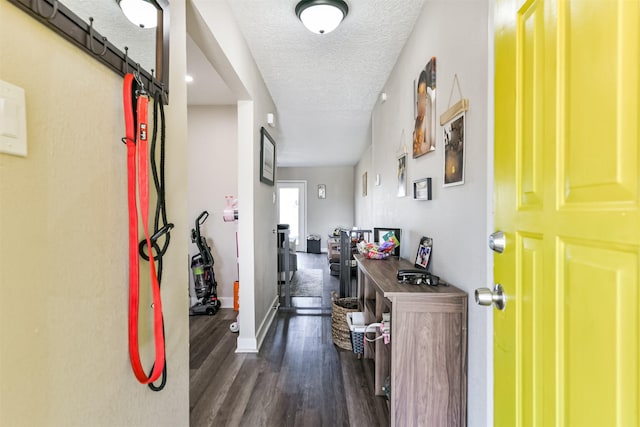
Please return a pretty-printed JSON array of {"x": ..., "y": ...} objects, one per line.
[{"x": 62, "y": 20}]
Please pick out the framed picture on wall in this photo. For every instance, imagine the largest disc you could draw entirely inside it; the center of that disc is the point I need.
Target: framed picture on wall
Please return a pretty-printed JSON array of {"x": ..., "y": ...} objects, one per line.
[
  {"x": 422, "y": 189},
  {"x": 402, "y": 176},
  {"x": 453, "y": 136},
  {"x": 267, "y": 157},
  {"x": 424, "y": 132},
  {"x": 364, "y": 184},
  {"x": 322, "y": 191}
]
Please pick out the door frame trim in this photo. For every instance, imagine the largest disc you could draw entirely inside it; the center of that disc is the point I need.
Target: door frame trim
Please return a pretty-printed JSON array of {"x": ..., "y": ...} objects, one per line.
[{"x": 490, "y": 224}]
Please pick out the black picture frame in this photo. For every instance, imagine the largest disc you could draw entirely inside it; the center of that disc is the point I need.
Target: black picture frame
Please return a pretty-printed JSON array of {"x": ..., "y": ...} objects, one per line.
[
  {"x": 378, "y": 232},
  {"x": 422, "y": 189},
  {"x": 267, "y": 157},
  {"x": 423, "y": 256}
]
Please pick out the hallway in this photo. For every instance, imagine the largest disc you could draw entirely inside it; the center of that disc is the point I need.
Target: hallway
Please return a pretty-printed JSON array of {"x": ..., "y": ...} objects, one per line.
[
  {"x": 310, "y": 261},
  {"x": 299, "y": 378}
]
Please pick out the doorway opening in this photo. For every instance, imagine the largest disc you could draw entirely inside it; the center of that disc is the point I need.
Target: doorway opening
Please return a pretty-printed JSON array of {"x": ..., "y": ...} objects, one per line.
[
  {"x": 307, "y": 281},
  {"x": 292, "y": 210}
]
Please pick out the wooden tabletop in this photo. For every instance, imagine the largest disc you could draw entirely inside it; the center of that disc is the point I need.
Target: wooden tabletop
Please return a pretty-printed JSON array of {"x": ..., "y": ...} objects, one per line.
[{"x": 384, "y": 274}]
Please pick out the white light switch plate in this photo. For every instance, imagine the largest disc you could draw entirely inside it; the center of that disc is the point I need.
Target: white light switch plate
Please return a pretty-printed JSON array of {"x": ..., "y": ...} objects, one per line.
[{"x": 13, "y": 120}]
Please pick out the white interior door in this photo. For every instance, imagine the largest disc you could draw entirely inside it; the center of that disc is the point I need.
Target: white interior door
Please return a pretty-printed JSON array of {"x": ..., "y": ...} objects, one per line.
[{"x": 292, "y": 210}]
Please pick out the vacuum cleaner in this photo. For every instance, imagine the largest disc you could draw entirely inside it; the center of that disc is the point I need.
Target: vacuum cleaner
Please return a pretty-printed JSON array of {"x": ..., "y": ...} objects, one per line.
[{"x": 204, "y": 278}]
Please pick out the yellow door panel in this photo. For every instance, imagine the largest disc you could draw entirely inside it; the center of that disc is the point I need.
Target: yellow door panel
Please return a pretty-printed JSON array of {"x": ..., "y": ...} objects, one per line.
[
  {"x": 530, "y": 47},
  {"x": 598, "y": 66},
  {"x": 598, "y": 327},
  {"x": 530, "y": 259},
  {"x": 567, "y": 196}
]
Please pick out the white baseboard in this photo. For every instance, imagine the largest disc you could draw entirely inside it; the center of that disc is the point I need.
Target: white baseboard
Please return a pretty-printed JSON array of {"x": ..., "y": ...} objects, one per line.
[
  {"x": 246, "y": 345},
  {"x": 227, "y": 302},
  {"x": 252, "y": 345},
  {"x": 267, "y": 321}
]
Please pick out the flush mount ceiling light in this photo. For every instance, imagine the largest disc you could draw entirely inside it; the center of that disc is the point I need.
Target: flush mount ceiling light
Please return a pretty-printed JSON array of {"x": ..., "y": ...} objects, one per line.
[
  {"x": 321, "y": 16},
  {"x": 142, "y": 13}
]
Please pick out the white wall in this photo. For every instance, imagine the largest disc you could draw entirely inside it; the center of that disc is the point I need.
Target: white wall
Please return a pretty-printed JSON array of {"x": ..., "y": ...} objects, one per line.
[
  {"x": 364, "y": 204},
  {"x": 456, "y": 33},
  {"x": 213, "y": 174},
  {"x": 324, "y": 215},
  {"x": 213, "y": 27},
  {"x": 63, "y": 242}
]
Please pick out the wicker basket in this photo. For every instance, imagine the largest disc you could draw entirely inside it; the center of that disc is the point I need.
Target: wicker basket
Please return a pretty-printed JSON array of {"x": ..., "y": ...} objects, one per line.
[{"x": 339, "y": 327}]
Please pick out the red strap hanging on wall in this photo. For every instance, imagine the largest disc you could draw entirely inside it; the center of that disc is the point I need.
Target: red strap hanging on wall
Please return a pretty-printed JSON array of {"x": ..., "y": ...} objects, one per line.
[{"x": 138, "y": 176}]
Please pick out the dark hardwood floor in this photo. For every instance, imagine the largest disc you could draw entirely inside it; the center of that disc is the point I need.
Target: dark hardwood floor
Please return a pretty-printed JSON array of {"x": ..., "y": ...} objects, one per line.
[{"x": 299, "y": 378}]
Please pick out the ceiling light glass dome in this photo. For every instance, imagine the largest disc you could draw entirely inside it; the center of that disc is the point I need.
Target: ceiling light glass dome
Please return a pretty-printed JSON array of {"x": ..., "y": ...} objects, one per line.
[
  {"x": 140, "y": 12},
  {"x": 321, "y": 16}
]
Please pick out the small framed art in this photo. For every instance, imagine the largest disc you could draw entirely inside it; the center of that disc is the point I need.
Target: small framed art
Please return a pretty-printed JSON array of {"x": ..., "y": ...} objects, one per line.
[
  {"x": 422, "y": 189},
  {"x": 364, "y": 184}
]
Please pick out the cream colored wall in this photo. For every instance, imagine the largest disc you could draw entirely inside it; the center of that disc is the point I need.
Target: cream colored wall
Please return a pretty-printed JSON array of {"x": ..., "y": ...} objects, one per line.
[
  {"x": 364, "y": 207},
  {"x": 63, "y": 242}
]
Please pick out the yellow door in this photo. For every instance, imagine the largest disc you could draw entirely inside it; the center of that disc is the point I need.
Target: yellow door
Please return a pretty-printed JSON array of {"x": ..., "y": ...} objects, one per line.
[{"x": 567, "y": 194}]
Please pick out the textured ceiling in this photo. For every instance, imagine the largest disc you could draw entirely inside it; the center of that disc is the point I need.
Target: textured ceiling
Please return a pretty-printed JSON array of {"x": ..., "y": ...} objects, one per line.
[{"x": 325, "y": 86}]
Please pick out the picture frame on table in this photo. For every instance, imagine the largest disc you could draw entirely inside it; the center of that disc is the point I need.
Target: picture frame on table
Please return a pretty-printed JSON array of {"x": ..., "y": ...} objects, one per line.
[{"x": 423, "y": 256}]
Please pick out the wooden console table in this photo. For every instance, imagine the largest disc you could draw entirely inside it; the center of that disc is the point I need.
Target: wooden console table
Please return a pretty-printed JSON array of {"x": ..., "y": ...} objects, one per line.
[{"x": 426, "y": 359}]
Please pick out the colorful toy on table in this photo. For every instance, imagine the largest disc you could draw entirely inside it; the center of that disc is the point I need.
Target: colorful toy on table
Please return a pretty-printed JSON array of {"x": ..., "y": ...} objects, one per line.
[{"x": 382, "y": 251}]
